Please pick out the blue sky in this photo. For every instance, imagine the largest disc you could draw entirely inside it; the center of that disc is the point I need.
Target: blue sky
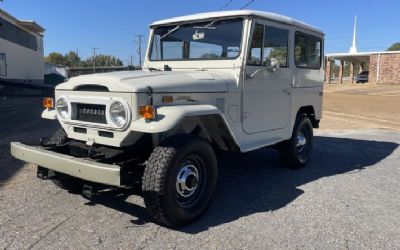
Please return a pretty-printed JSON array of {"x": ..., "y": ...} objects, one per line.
[{"x": 111, "y": 25}]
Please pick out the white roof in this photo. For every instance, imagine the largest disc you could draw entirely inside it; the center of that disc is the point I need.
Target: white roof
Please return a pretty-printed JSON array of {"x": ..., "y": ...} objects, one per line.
[
  {"x": 238, "y": 13},
  {"x": 362, "y": 53}
]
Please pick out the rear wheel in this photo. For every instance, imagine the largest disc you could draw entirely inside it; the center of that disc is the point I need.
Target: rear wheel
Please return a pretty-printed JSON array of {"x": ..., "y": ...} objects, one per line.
[
  {"x": 296, "y": 152},
  {"x": 179, "y": 180}
]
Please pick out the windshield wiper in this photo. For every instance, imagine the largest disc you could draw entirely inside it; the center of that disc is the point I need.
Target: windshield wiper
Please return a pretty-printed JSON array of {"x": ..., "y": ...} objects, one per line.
[
  {"x": 208, "y": 26},
  {"x": 170, "y": 32}
]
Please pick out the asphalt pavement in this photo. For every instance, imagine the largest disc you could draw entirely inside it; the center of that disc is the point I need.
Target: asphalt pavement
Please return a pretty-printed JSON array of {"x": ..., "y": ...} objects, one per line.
[{"x": 346, "y": 198}]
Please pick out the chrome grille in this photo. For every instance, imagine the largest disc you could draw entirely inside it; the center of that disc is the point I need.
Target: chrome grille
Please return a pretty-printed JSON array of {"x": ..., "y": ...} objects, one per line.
[{"x": 93, "y": 113}]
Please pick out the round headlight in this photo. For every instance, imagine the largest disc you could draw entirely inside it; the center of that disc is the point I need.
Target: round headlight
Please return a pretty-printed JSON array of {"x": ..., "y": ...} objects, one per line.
[
  {"x": 62, "y": 108},
  {"x": 118, "y": 114}
]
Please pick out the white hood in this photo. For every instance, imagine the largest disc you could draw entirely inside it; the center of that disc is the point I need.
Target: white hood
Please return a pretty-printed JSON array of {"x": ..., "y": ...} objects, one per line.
[{"x": 159, "y": 81}]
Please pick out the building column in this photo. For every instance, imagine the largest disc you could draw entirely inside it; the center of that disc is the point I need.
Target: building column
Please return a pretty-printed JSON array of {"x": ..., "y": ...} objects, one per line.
[
  {"x": 328, "y": 67},
  {"x": 352, "y": 72},
  {"x": 341, "y": 67},
  {"x": 373, "y": 68}
]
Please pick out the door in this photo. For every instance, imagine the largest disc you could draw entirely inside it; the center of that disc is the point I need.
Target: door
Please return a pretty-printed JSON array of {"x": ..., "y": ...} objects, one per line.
[
  {"x": 267, "y": 92},
  {"x": 3, "y": 65}
]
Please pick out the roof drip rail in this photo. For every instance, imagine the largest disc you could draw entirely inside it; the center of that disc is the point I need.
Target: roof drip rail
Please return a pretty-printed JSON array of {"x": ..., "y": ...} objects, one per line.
[{"x": 247, "y": 4}]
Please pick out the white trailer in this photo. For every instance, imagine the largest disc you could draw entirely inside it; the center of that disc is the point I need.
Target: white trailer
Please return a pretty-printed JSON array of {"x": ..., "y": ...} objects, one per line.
[{"x": 21, "y": 52}]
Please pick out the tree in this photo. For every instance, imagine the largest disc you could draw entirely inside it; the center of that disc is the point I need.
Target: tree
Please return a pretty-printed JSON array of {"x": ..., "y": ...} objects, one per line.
[
  {"x": 279, "y": 53},
  {"x": 102, "y": 61},
  {"x": 73, "y": 60},
  {"x": 56, "y": 58},
  {"x": 209, "y": 56},
  {"x": 394, "y": 47}
]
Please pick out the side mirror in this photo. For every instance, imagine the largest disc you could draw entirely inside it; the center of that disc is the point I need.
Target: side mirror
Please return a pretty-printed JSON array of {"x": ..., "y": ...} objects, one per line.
[{"x": 272, "y": 64}]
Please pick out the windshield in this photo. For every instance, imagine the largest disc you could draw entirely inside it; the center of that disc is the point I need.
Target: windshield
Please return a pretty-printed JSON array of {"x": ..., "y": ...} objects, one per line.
[{"x": 212, "y": 40}]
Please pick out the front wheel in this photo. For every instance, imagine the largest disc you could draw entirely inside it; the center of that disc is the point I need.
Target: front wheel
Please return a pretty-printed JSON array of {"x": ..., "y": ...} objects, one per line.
[
  {"x": 296, "y": 152},
  {"x": 179, "y": 180}
]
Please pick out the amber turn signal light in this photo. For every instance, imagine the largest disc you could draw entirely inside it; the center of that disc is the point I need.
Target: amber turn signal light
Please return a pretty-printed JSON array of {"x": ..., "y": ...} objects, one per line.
[
  {"x": 147, "y": 111},
  {"x": 48, "y": 103}
]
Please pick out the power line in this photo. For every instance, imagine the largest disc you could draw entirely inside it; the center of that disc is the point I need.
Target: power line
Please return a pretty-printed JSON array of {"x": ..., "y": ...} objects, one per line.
[
  {"x": 247, "y": 4},
  {"x": 226, "y": 4}
]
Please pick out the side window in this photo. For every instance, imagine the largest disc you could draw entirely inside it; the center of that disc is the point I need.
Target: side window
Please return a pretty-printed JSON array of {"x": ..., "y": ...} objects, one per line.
[
  {"x": 3, "y": 65},
  {"x": 276, "y": 45},
  {"x": 166, "y": 50},
  {"x": 307, "y": 51},
  {"x": 156, "y": 49},
  {"x": 254, "y": 57}
]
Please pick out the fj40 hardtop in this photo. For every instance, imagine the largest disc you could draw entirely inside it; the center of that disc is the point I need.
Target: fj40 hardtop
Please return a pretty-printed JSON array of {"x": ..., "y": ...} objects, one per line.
[{"x": 212, "y": 82}]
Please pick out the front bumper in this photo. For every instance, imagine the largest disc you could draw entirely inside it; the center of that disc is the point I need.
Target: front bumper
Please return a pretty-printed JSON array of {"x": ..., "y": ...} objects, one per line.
[{"x": 85, "y": 169}]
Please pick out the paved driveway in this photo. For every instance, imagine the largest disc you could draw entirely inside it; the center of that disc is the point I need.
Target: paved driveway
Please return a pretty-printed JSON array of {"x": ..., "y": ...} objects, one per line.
[{"x": 346, "y": 198}]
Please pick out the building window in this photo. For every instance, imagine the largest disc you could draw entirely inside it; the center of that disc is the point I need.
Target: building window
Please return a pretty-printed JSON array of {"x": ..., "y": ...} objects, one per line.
[
  {"x": 3, "y": 65},
  {"x": 15, "y": 34},
  {"x": 307, "y": 51}
]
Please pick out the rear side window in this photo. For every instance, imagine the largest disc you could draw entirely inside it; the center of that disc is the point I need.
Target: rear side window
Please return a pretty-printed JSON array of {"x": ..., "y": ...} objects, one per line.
[{"x": 307, "y": 51}]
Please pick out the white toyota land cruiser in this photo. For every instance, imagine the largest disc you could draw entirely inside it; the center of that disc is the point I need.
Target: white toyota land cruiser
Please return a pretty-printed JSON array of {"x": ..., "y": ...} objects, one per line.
[{"x": 230, "y": 81}]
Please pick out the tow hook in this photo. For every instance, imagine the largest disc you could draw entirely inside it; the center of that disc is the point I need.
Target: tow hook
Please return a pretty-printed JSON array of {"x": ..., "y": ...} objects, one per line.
[
  {"x": 89, "y": 191},
  {"x": 42, "y": 173}
]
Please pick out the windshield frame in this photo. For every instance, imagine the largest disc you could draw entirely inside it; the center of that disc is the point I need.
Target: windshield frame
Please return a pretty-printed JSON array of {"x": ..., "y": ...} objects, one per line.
[{"x": 189, "y": 22}]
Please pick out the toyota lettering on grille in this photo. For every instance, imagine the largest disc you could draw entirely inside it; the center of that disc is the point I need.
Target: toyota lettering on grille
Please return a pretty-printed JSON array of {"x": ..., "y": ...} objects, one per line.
[{"x": 88, "y": 111}]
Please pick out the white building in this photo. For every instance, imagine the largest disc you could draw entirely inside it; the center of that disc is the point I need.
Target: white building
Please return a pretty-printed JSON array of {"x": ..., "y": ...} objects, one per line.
[{"x": 21, "y": 52}]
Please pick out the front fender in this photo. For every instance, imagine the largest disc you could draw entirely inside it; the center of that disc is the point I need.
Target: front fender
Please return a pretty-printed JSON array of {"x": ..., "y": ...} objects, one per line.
[{"x": 170, "y": 116}]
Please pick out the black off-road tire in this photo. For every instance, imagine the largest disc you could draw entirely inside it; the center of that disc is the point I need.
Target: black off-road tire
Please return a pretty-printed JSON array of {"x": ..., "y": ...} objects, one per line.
[
  {"x": 289, "y": 152},
  {"x": 159, "y": 183}
]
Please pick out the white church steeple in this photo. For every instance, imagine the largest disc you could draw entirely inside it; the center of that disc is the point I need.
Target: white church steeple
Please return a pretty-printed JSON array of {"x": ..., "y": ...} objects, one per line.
[{"x": 353, "y": 49}]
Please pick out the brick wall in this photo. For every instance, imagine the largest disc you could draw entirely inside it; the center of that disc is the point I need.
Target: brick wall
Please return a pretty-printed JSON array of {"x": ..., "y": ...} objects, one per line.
[
  {"x": 389, "y": 71},
  {"x": 373, "y": 63}
]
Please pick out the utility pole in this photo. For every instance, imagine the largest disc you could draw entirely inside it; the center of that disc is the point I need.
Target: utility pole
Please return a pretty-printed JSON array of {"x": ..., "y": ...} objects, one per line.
[
  {"x": 77, "y": 57},
  {"x": 94, "y": 59},
  {"x": 139, "y": 49}
]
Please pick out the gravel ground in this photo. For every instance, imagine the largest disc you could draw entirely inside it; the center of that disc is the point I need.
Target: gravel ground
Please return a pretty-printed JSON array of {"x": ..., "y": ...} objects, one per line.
[
  {"x": 364, "y": 106},
  {"x": 346, "y": 198}
]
